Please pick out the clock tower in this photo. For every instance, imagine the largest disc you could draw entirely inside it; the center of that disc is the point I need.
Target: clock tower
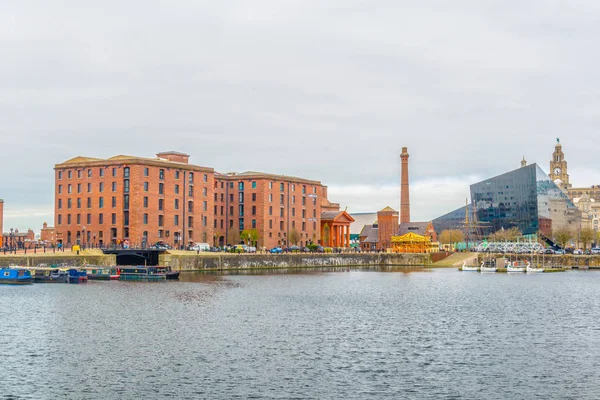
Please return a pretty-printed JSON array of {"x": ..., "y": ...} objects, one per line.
[{"x": 558, "y": 167}]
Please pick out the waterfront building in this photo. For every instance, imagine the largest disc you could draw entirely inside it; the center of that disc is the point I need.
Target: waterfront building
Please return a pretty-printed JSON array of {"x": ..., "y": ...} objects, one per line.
[
  {"x": 559, "y": 174},
  {"x": 526, "y": 198},
  {"x": 590, "y": 211},
  {"x": 133, "y": 200},
  {"x": 139, "y": 201},
  {"x": 335, "y": 228},
  {"x": 283, "y": 210},
  {"x": 48, "y": 235},
  {"x": 18, "y": 240},
  {"x": 381, "y": 234}
]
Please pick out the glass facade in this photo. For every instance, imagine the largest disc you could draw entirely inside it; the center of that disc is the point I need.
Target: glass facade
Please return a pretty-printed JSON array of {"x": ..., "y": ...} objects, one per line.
[{"x": 525, "y": 198}]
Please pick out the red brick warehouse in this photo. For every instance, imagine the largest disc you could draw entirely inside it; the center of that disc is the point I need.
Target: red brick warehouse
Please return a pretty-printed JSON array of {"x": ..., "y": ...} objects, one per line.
[{"x": 145, "y": 200}]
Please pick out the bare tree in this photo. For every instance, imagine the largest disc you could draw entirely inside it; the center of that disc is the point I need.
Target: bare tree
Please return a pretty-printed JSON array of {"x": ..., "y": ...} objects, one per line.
[
  {"x": 294, "y": 236},
  {"x": 562, "y": 236},
  {"x": 586, "y": 236}
]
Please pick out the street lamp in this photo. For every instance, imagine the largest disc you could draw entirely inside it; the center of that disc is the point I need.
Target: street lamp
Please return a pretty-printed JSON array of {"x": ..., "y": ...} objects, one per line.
[
  {"x": 12, "y": 240},
  {"x": 84, "y": 241}
]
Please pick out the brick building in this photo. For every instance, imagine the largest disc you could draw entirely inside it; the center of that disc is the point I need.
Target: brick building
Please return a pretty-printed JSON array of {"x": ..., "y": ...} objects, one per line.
[
  {"x": 139, "y": 201},
  {"x": 133, "y": 200},
  {"x": 284, "y": 210},
  {"x": 18, "y": 240},
  {"x": 48, "y": 235}
]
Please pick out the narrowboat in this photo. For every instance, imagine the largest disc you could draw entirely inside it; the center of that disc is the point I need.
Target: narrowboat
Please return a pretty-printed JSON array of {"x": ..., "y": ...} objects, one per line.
[
  {"x": 147, "y": 274},
  {"x": 15, "y": 276},
  {"x": 77, "y": 276},
  {"x": 49, "y": 275},
  {"x": 102, "y": 273}
]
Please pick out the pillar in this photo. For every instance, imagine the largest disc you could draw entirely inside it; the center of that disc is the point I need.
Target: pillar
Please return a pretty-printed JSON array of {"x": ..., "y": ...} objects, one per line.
[
  {"x": 404, "y": 194},
  {"x": 348, "y": 235}
]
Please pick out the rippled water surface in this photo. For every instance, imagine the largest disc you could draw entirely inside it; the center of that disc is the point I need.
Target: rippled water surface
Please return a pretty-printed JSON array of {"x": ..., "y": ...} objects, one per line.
[{"x": 352, "y": 334}]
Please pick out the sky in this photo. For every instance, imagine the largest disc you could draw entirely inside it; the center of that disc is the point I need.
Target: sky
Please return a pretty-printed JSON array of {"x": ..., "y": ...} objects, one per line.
[{"x": 326, "y": 90}]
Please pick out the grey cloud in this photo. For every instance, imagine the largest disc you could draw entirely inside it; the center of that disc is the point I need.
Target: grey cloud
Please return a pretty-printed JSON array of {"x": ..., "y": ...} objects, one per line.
[{"x": 327, "y": 90}]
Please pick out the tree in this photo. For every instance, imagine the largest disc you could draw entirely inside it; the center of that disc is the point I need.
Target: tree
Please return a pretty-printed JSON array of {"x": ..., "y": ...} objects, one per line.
[
  {"x": 586, "y": 236},
  {"x": 233, "y": 237},
  {"x": 250, "y": 235},
  {"x": 325, "y": 237},
  {"x": 294, "y": 236},
  {"x": 562, "y": 236},
  {"x": 451, "y": 236},
  {"x": 506, "y": 235},
  {"x": 216, "y": 237}
]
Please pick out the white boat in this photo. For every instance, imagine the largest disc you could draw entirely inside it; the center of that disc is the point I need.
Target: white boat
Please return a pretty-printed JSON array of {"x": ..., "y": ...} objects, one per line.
[
  {"x": 529, "y": 268},
  {"x": 515, "y": 267},
  {"x": 466, "y": 267},
  {"x": 487, "y": 267}
]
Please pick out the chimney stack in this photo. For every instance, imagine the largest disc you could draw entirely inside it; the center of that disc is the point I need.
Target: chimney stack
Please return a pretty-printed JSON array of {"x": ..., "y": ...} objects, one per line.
[{"x": 404, "y": 196}]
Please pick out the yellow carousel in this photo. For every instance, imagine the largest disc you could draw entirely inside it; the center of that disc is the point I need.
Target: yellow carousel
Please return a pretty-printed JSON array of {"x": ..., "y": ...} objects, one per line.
[{"x": 412, "y": 243}]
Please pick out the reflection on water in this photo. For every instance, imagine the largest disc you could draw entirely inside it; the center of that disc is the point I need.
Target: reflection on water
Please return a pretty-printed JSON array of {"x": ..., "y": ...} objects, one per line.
[
  {"x": 349, "y": 333},
  {"x": 192, "y": 276}
]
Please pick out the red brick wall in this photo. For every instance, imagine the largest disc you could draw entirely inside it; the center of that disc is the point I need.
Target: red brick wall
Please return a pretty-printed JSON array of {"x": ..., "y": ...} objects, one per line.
[
  {"x": 387, "y": 222},
  {"x": 98, "y": 232},
  {"x": 268, "y": 193}
]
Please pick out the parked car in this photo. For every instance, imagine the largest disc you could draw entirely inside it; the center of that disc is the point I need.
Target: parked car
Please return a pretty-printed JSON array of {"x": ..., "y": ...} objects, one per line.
[
  {"x": 251, "y": 249},
  {"x": 276, "y": 250},
  {"x": 595, "y": 250},
  {"x": 559, "y": 251},
  {"x": 294, "y": 248},
  {"x": 200, "y": 247},
  {"x": 578, "y": 251},
  {"x": 548, "y": 251},
  {"x": 160, "y": 246},
  {"x": 320, "y": 249}
]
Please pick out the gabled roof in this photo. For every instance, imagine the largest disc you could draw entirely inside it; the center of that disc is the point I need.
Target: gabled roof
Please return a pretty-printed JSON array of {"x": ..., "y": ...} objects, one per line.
[
  {"x": 360, "y": 220},
  {"x": 336, "y": 216},
  {"x": 420, "y": 228},
  {"x": 369, "y": 234},
  {"x": 388, "y": 208}
]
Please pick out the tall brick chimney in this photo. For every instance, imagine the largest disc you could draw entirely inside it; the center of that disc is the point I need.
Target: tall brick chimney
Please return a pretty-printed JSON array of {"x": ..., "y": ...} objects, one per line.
[{"x": 404, "y": 196}]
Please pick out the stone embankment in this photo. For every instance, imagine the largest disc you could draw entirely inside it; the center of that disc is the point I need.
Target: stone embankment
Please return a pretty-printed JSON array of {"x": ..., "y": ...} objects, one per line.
[
  {"x": 57, "y": 259},
  {"x": 566, "y": 261},
  {"x": 255, "y": 261}
]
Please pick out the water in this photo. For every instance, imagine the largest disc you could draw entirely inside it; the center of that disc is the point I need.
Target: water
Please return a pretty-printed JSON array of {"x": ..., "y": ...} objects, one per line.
[{"x": 352, "y": 334}]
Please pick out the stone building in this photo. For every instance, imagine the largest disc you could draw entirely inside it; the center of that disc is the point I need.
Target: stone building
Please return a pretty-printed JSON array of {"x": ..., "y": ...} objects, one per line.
[{"x": 559, "y": 174}]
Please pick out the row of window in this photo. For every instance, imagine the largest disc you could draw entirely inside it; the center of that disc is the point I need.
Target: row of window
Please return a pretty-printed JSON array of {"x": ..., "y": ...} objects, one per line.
[
  {"x": 113, "y": 219},
  {"x": 253, "y": 224},
  {"x": 161, "y": 203},
  {"x": 126, "y": 172},
  {"x": 254, "y": 185}
]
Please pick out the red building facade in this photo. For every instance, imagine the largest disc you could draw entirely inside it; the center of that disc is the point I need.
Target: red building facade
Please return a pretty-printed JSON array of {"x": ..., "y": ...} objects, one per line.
[
  {"x": 133, "y": 200},
  {"x": 140, "y": 201}
]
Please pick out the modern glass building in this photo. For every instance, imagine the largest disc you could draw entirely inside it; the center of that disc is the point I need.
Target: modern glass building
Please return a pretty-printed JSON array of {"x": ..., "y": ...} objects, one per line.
[{"x": 525, "y": 198}]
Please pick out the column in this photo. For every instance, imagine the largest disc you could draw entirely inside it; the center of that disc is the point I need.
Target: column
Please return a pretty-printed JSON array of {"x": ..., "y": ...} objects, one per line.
[
  {"x": 331, "y": 233},
  {"x": 348, "y": 235}
]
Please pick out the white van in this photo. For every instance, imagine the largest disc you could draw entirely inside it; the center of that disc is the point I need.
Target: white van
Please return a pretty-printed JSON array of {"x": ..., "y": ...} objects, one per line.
[{"x": 200, "y": 247}]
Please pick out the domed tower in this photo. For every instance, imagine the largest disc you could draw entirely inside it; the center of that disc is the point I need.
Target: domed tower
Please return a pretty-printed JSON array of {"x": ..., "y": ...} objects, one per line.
[{"x": 558, "y": 167}]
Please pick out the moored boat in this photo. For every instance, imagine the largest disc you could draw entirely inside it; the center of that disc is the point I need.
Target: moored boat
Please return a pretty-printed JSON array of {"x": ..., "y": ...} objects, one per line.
[
  {"x": 515, "y": 267},
  {"x": 141, "y": 274},
  {"x": 15, "y": 276},
  {"x": 102, "y": 273},
  {"x": 77, "y": 276},
  {"x": 466, "y": 267},
  {"x": 488, "y": 266},
  {"x": 49, "y": 275}
]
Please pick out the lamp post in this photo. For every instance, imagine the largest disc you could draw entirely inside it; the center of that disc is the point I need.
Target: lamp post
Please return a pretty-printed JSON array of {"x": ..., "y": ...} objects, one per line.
[
  {"x": 12, "y": 240},
  {"x": 84, "y": 240}
]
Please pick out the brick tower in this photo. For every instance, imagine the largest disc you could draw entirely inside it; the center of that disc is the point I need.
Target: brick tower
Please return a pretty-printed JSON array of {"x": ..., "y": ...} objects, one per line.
[{"x": 404, "y": 197}]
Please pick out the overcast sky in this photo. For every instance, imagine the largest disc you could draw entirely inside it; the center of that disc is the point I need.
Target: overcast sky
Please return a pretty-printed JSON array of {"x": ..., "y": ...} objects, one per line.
[{"x": 327, "y": 90}]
